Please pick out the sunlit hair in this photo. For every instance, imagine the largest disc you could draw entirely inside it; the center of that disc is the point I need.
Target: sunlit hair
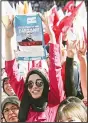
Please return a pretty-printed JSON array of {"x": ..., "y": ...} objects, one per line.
[
  {"x": 71, "y": 110},
  {"x": 73, "y": 99}
]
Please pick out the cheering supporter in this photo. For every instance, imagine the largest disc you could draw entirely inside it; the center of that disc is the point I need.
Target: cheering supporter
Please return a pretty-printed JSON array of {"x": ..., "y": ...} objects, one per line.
[
  {"x": 74, "y": 99},
  {"x": 10, "y": 108},
  {"x": 41, "y": 94},
  {"x": 7, "y": 87},
  {"x": 72, "y": 109},
  {"x": 72, "y": 77},
  {"x": 81, "y": 53},
  {"x": 70, "y": 70},
  {"x": 48, "y": 96}
]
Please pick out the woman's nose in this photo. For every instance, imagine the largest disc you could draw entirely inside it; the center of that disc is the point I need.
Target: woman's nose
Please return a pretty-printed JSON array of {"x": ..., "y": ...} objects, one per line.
[
  {"x": 34, "y": 86},
  {"x": 10, "y": 111}
]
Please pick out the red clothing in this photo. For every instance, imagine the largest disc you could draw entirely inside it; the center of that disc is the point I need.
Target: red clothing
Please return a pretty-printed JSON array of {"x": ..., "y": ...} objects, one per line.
[
  {"x": 56, "y": 93},
  {"x": 63, "y": 72}
]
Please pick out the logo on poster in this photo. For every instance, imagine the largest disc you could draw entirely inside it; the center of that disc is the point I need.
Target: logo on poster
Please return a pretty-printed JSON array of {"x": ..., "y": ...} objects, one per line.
[{"x": 31, "y": 20}]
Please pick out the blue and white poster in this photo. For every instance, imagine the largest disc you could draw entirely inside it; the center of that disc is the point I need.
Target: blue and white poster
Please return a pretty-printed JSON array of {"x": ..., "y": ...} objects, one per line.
[{"x": 29, "y": 36}]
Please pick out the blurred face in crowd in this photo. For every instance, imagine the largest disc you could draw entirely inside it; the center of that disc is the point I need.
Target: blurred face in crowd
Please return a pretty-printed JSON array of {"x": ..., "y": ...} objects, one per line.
[
  {"x": 8, "y": 89},
  {"x": 10, "y": 112},
  {"x": 35, "y": 85},
  {"x": 71, "y": 112}
]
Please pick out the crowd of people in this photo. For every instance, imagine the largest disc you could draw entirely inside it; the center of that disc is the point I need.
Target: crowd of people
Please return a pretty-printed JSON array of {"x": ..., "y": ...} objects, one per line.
[{"x": 56, "y": 95}]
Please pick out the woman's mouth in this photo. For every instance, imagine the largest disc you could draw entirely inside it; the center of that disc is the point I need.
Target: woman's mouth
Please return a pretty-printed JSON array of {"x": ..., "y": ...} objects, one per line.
[
  {"x": 12, "y": 118},
  {"x": 35, "y": 91},
  {"x": 9, "y": 89}
]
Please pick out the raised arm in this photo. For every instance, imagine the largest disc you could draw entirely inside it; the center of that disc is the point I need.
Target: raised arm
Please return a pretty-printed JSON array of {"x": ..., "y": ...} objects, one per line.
[
  {"x": 16, "y": 81},
  {"x": 69, "y": 69},
  {"x": 81, "y": 53},
  {"x": 56, "y": 94},
  {"x": 9, "y": 33}
]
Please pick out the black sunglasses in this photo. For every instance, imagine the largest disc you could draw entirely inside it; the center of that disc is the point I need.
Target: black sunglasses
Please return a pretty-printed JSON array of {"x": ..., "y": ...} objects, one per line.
[{"x": 39, "y": 83}]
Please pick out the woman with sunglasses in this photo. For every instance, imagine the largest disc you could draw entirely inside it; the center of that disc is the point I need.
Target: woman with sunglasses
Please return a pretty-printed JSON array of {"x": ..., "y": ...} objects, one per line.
[{"x": 41, "y": 93}]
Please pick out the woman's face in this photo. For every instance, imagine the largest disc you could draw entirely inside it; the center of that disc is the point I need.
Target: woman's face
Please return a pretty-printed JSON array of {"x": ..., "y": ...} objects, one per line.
[
  {"x": 35, "y": 85},
  {"x": 8, "y": 89},
  {"x": 10, "y": 112}
]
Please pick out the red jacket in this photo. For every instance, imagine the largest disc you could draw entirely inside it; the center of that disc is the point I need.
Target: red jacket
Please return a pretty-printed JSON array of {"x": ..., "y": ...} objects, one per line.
[{"x": 56, "y": 93}]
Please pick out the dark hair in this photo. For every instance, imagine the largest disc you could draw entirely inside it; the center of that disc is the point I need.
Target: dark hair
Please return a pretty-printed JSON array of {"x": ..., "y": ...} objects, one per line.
[
  {"x": 4, "y": 80},
  {"x": 39, "y": 104},
  {"x": 44, "y": 78}
]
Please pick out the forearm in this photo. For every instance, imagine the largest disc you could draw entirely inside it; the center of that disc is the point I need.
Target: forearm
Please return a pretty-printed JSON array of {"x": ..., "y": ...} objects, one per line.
[
  {"x": 56, "y": 83},
  {"x": 70, "y": 85},
  {"x": 15, "y": 80},
  {"x": 52, "y": 38},
  {"x": 9, "y": 52},
  {"x": 83, "y": 76}
]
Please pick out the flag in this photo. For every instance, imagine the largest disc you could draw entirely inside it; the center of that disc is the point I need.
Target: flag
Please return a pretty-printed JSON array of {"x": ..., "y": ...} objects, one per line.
[
  {"x": 17, "y": 8},
  {"x": 46, "y": 38},
  {"x": 80, "y": 20},
  {"x": 60, "y": 14},
  {"x": 53, "y": 19},
  {"x": 85, "y": 35},
  {"x": 20, "y": 8},
  {"x": 53, "y": 15},
  {"x": 6, "y": 8},
  {"x": 69, "y": 7},
  {"x": 82, "y": 10},
  {"x": 37, "y": 64},
  {"x": 26, "y": 7},
  {"x": 29, "y": 8},
  {"x": 66, "y": 22}
]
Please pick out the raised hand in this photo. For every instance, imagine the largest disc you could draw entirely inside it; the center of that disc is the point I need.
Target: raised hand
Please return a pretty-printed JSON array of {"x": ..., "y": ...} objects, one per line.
[
  {"x": 45, "y": 19},
  {"x": 81, "y": 50},
  {"x": 49, "y": 30},
  {"x": 9, "y": 27},
  {"x": 71, "y": 48}
]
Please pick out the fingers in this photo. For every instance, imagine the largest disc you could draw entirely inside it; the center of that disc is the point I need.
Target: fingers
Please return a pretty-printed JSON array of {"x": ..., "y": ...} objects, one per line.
[
  {"x": 8, "y": 20},
  {"x": 84, "y": 46},
  {"x": 3, "y": 23},
  {"x": 42, "y": 17},
  {"x": 12, "y": 19},
  {"x": 78, "y": 45},
  {"x": 5, "y": 20},
  {"x": 74, "y": 43},
  {"x": 81, "y": 50}
]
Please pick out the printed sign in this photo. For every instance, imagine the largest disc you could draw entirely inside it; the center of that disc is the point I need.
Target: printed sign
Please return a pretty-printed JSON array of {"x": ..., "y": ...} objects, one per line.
[{"x": 29, "y": 36}]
